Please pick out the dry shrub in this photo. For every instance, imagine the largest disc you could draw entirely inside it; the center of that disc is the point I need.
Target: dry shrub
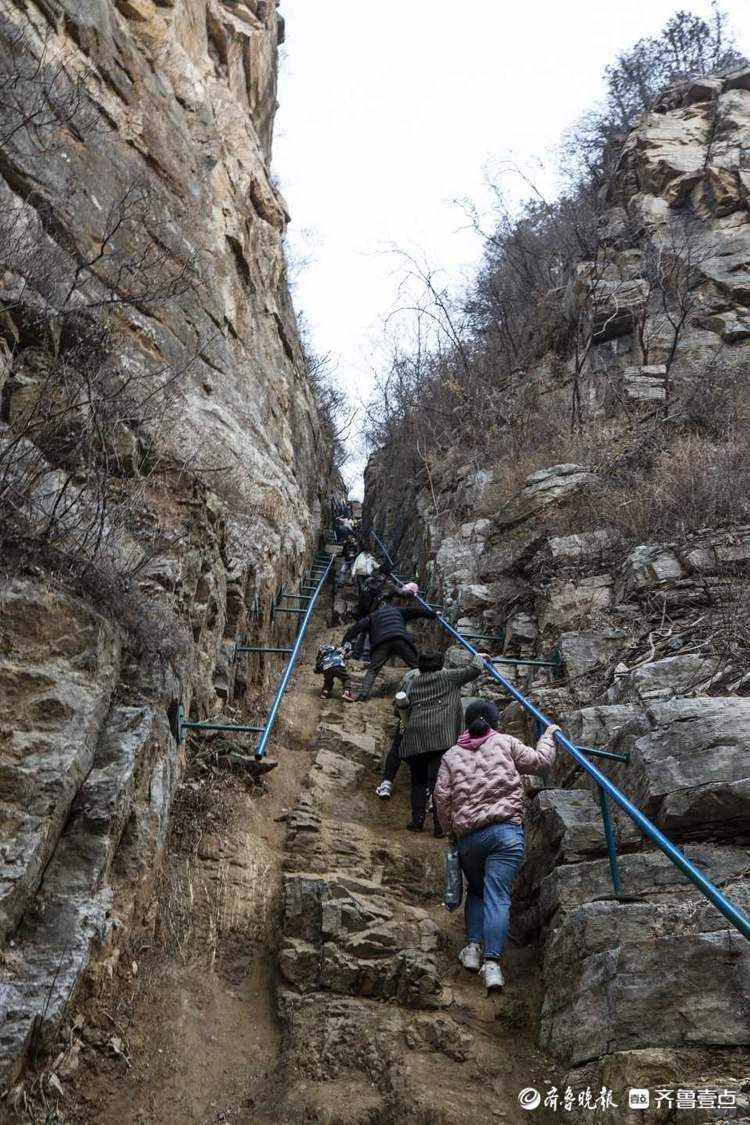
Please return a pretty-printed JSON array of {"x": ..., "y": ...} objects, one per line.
[
  {"x": 730, "y": 628},
  {"x": 691, "y": 484},
  {"x": 716, "y": 400},
  {"x": 547, "y": 440}
]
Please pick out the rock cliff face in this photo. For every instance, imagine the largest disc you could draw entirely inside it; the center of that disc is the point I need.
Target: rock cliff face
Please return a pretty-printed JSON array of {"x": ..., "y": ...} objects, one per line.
[
  {"x": 134, "y": 186},
  {"x": 653, "y": 663}
]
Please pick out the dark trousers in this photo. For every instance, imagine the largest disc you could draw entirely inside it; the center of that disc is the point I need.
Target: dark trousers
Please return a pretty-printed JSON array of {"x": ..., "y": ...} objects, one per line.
[
  {"x": 332, "y": 674},
  {"x": 393, "y": 758},
  {"x": 424, "y": 770},
  {"x": 364, "y": 605},
  {"x": 382, "y": 654}
]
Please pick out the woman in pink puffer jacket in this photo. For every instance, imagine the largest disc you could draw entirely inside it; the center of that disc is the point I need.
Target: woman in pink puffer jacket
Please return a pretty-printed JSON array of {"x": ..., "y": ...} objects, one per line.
[{"x": 479, "y": 799}]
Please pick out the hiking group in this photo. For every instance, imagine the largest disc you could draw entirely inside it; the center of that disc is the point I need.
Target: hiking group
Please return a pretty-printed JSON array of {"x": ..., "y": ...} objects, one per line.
[{"x": 463, "y": 769}]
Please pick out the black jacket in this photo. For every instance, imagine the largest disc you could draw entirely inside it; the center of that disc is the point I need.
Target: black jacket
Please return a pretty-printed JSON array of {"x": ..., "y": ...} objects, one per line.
[
  {"x": 387, "y": 624},
  {"x": 377, "y": 589}
]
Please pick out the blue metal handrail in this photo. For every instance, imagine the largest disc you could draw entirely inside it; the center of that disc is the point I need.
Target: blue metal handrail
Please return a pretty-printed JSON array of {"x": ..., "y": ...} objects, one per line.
[
  {"x": 260, "y": 751},
  {"x": 607, "y": 789},
  {"x": 184, "y": 724}
]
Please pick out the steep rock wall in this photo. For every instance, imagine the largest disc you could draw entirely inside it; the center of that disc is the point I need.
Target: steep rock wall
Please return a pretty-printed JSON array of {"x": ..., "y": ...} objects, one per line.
[
  {"x": 145, "y": 192},
  {"x": 649, "y": 635}
]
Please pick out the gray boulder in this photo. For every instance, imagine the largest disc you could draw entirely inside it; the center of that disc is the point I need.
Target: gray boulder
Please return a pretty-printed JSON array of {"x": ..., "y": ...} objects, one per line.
[
  {"x": 625, "y": 976},
  {"x": 649, "y": 566},
  {"x": 690, "y": 771},
  {"x": 474, "y": 598},
  {"x": 563, "y": 826},
  {"x": 455, "y": 562},
  {"x": 544, "y": 489},
  {"x": 702, "y": 90},
  {"x": 566, "y": 603},
  {"x": 583, "y": 652},
  {"x": 579, "y": 548},
  {"x": 663, "y": 679},
  {"x": 508, "y": 554}
]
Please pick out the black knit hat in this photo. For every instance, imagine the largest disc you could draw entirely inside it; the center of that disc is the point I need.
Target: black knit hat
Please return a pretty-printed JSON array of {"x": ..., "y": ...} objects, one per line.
[{"x": 430, "y": 661}]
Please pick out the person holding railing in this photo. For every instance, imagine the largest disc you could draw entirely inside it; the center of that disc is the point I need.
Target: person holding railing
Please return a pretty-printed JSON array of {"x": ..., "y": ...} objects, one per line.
[
  {"x": 377, "y": 589},
  {"x": 344, "y": 528},
  {"x": 389, "y": 637},
  {"x": 479, "y": 799},
  {"x": 434, "y": 723},
  {"x": 349, "y": 554}
]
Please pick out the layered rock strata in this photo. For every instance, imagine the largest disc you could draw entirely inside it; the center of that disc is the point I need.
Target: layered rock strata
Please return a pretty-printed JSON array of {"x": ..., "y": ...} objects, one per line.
[{"x": 145, "y": 191}]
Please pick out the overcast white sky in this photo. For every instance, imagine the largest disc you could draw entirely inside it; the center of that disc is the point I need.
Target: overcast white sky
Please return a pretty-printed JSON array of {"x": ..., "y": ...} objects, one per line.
[{"x": 390, "y": 111}]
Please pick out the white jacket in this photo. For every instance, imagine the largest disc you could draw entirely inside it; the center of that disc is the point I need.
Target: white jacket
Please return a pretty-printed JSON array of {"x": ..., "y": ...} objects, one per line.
[{"x": 364, "y": 565}]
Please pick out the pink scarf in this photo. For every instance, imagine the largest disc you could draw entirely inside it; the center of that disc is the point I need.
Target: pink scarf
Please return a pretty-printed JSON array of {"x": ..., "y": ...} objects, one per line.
[{"x": 468, "y": 743}]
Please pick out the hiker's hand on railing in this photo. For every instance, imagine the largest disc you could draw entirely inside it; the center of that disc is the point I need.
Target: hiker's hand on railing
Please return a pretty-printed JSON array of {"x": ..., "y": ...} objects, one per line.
[{"x": 552, "y": 728}]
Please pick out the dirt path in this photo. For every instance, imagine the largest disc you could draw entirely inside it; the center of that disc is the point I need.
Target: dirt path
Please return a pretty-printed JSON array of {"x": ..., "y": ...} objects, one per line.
[
  {"x": 195, "y": 1017},
  {"x": 305, "y": 969},
  {"x": 381, "y": 1023}
]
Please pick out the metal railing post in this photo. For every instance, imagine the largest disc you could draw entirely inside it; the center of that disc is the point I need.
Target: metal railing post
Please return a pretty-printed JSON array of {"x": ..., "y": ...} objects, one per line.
[
  {"x": 609, "y": 835},
  {"x": 184, "y": 724},
  {"x": 610, "y": 754},
  {"x": 261, "y": 748},
  {"x": 238, "y": 648},
  {"x": 517, "y": 662}
]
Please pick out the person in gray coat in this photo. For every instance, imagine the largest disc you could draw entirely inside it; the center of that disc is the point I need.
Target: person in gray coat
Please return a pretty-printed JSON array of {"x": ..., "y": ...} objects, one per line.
[{"x": 435, "y": 721}]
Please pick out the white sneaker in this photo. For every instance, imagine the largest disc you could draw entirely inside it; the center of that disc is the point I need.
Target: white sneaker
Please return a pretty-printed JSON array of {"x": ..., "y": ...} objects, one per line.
[
  {"x": 384, "y": 790},
  {"x": 492, "y": 976},
  {"x": 471, "y": 957}
]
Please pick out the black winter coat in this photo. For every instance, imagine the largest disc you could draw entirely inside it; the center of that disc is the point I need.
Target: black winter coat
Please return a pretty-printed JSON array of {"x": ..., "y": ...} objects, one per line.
[
  {"x": 388, "y": 624},
  {"x": 376, "y": 591}
]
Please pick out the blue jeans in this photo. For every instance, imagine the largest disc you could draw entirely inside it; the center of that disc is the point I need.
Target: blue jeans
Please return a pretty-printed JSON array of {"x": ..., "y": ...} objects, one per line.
[{"x": 490, "y": 857}]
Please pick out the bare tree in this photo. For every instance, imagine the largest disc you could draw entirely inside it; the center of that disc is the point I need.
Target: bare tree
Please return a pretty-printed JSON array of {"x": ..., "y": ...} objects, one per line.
[
  {"x": 671, "y": 267},
  {"x": 40, "y": 96},
  {"x": 337, "y": 415},
  {"x": 688, "y": 46},
  {"x": 76, "y": 422}
]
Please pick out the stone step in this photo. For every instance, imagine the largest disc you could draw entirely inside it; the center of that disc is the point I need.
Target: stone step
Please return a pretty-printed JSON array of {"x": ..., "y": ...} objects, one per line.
[
  {"x": 372, "y": 999},
  {"x": 351, "y": 938},
  {"x": 71, "y": 916},
  {"x": 646, "y": 875}
]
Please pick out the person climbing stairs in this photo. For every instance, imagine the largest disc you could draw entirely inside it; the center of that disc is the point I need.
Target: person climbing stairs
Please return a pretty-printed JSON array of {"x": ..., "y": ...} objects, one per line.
[{"x": 381, "y": 1020}]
